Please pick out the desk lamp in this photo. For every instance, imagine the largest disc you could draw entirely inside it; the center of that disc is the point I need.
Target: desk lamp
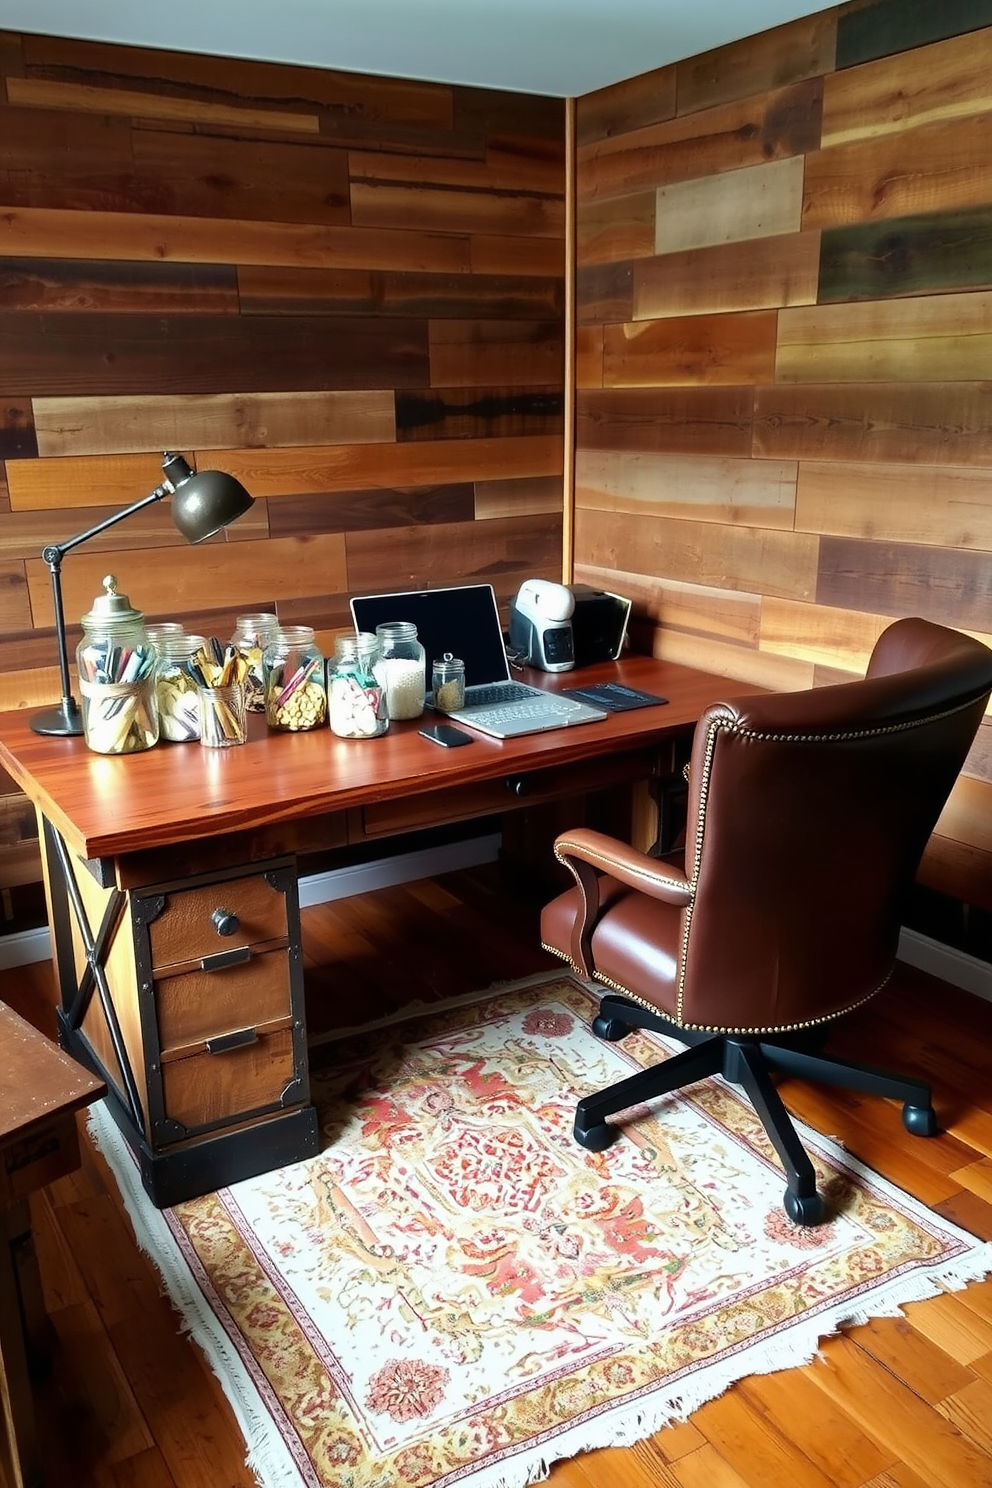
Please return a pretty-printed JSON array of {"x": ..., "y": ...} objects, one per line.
[{"x": 203, "y": 502}]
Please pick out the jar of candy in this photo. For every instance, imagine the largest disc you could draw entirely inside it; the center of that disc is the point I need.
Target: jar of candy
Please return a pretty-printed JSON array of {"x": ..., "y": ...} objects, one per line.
[
  {"x": 116, "y": 665},
  {"x": 357, "y": 703},
  {"x": 400, "y": 669},
  {"x": 293, "y": 678},
  {"x": 252, "y": 633},
  {"x": 448, "y": 676},
  {"x": 176, "y": 687}
]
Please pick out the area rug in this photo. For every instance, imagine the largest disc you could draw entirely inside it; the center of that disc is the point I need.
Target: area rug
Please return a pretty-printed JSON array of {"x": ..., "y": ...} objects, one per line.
[{"x": 455, "y": 1292}]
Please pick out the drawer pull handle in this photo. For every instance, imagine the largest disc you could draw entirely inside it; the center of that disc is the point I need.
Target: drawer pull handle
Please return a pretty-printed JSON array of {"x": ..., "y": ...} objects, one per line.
[
  {"x": 236, "y": 1040},
  {"x": 221, "y": 959},
  {"x": 519, "y": 785},
  {"x": 225, "y": 922}
]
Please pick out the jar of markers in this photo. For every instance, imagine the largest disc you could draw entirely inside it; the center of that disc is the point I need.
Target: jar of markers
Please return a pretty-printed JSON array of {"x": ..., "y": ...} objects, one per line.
[
  {"x": 293, "y": 677},
  {"x": 116, "y": 666},
  {"x": 176, "y": 688}
]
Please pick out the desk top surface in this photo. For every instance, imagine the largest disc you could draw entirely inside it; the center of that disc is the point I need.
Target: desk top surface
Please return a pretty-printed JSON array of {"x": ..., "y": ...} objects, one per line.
[{"x": 109, "y": 805}]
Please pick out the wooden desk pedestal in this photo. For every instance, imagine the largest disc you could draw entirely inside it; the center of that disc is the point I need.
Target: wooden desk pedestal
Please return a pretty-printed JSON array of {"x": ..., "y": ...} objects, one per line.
[{"x": 189, "y": 999}]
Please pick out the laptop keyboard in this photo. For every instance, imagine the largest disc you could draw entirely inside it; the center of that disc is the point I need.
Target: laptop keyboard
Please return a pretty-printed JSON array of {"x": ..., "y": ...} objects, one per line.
[
  {"x": 511, "y": 712},
  {"x": 497, "y": 692}
]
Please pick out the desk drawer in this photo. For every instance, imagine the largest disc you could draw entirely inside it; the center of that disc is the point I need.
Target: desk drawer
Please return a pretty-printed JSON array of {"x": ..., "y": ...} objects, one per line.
[
  {"x": 211, "y": 1089},
  {"x": 510, "y": 792},
  {"x": 197, "y": 1005},
  {"x": 216, "y": 917}
]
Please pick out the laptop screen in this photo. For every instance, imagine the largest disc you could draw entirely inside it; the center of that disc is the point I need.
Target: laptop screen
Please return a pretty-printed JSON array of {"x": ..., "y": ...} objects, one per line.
[{"x": 464, "y": 621}]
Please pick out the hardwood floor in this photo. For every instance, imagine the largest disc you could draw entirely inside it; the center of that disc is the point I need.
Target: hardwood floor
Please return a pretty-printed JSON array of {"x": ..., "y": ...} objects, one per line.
[{"x": 897, "y": 1403}]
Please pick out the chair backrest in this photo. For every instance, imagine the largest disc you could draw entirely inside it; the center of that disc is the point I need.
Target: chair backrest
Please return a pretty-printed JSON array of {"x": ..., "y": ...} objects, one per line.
[{"x": 808, "y": 816}]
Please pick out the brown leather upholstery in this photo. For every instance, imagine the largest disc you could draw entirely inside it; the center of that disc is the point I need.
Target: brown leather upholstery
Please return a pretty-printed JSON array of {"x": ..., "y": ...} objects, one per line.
[{"x": 808, "y": 814}]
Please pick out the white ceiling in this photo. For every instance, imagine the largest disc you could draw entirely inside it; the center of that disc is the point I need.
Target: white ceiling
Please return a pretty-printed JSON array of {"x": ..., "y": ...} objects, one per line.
[{"x": 562, "y": 48}]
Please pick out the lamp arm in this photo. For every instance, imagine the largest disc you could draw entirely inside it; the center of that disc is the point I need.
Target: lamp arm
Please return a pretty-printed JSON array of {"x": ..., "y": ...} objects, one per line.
[{"x": 55, "y": 552}]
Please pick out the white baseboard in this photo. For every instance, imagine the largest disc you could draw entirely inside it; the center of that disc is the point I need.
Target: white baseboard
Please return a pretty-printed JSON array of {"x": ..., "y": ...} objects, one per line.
[
  {"x": 943, "y": 961},
  {"x": 28, "y": 946}
]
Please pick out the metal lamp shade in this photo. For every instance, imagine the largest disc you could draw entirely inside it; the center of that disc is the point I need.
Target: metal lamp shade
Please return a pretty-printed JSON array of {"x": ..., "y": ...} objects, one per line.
[{"x": 205, "y": 502}]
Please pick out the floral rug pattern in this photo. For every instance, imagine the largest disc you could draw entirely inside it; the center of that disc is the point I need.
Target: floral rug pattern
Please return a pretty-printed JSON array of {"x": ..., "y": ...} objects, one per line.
[{"x": 455, "y": 1292}]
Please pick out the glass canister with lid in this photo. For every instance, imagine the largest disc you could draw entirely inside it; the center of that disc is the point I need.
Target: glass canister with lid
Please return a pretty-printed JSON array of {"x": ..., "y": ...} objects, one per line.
[
  {"x": 116, "y": 665},
  {"x": 356, "y": 701},
  {"x": 295, "y": 687},
  {"x": 176, "y": 687},
  {"x": 400, "y": 668},
  {"x": 252, "y": 633}
]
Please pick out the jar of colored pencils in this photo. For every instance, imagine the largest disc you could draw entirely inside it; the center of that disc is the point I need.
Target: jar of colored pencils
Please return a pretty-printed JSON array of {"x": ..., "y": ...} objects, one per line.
[
  {"x": 115, "y": 662},
  {"x": 295, "y": 685}
]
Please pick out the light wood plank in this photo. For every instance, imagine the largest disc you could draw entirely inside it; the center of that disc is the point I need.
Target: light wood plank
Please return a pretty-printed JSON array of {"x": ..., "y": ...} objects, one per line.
[
  {"x": 820, "y": 634},
  {"x": 756, "y": 275},
  {"x": 393, "y": 205},
  {"x": 970, "y": 1410},
  {"x": 903, "y": 423},
  {"x": 106, "y": 426},
  {"x": 697, "y": 350},
  {"x": 724, "y": 614},
  {"x": 976, "y": 1177},
  {"x": 868, "y": 179},
  {"x": 615, "y": 228},
  {"x": 945, "y": 338},
  {"x": 506, "y": 498},
  {"x": 42, "y": 232},
  {"x": 756, "y": 560},
  {"x": 760, "y": 201},
  {"x": 495, "y": 253},
  {"x": 736, "y": 663},
  {"x": 757, "y": 493},
  {"x": 906, "y": 503},
  {"x": 953, "y": 1327},
  {"x": 589, "y": 357},
  {"x": 211, "y": 575},
  {"x": 84, "y": 98},
  {"x": 967, "y": 817},
  {"x": 947, "y": 80}
]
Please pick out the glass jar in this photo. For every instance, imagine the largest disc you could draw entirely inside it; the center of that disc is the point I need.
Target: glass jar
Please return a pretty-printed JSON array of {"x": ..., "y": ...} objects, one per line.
[
  {"x": 293, "y": 679},
  {"x": 252, "y": 633},
  {"x": 401, "y": 669},
  {"x": 176, "y": 687},
  {"x": 448, "y": 681},
  {"x": 357, "y": 703},
  {"x": 116, "y": 665},
  {"x": 160, "y": 630}
]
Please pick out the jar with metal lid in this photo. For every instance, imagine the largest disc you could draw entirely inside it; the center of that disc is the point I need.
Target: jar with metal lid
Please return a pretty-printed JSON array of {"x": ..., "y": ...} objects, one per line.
[
  {"x": 116, "y": 665},
  {"x": 448, "y": 676},
  {"x": 252, "y": 633},
  {"x": 293, "y": 678},
  {"x": 356, "y": 701},
  {"x": 176, "y": 687},
  {"x": 401, "y": 668}
]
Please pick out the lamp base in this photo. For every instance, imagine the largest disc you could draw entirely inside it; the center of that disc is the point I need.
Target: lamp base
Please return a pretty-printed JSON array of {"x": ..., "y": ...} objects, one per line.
[{"x": 63, "y": 721}]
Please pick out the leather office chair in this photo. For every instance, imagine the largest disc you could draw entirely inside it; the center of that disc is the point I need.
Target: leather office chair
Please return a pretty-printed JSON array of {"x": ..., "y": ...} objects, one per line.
[{"x": 808, "y": 814}]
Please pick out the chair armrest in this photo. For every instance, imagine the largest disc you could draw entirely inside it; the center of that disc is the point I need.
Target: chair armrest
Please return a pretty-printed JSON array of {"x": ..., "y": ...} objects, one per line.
[{"x": 637, "y": 870}]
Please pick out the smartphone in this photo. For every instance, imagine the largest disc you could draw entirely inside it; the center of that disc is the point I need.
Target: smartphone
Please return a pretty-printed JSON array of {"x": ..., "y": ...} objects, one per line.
[{"x": 446, "y": 734}]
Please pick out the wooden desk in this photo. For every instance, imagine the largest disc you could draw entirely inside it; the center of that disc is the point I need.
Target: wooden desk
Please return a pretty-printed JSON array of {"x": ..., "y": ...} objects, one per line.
[
  {"x": 40, "y": 1090},
  {"x": 172, "y": 892}
]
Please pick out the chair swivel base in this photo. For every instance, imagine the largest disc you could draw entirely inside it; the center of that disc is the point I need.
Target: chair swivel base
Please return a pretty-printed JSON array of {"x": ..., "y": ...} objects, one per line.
[{"x": 748, "y": 1062}]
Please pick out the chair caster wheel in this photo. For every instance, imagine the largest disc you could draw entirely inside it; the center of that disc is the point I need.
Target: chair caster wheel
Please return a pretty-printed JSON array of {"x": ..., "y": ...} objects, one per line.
[
  {"x": 920, "y": 1121},
  {"x": 804, "y": 1209},
  {"x": 611, "y": 1029},
  {"x": 595, "y": 1138}
]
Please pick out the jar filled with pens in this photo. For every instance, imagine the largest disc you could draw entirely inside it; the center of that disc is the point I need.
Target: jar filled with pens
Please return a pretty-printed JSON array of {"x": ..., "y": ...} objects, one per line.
[
  {"x": 222, "y": 712},
  {"x": 116, "y": 666},
  {"x": 295, "y": 685}
]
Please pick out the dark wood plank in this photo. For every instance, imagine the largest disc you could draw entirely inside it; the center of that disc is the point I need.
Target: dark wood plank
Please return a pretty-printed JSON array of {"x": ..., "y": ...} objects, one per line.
[
  {"x": 360, "y": 511},
  {"x": 934, "y": 253},
  {"x": 758, "y": 64},
  {"x": 74, "y": 353},
  {"x": 889, "y": 26},
  {"x": 18, "y": 440},
  {"x": 286, "y": 291},
  {"x": 98, "y": 287},
  {"x": 604, "y": 292},
  {"x": 948, "y": 586},
  {"x": 904, "y": 423},
  {"x": 502, "y": 551},
  {"x": 478, "y": 413},
  {"x": 623, "y": 107},
  {"x": 675, "y": 420}
]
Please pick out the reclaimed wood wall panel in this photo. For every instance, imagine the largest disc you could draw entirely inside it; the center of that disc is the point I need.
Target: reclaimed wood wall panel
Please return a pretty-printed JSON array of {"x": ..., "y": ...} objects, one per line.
[
  {"x": 348, "y": 291},
  {"x": 784, "y": 419}
]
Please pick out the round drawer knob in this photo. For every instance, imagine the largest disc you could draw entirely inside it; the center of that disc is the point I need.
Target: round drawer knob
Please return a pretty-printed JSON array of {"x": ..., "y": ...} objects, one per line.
[{"x": 225, "y": 923}]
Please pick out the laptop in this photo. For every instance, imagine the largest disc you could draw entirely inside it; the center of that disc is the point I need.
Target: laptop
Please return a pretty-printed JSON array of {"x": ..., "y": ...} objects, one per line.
[{"x": 465, "y": 621}]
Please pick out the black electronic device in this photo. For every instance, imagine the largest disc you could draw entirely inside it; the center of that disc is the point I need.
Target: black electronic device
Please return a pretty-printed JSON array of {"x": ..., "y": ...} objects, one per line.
[
  {"x": 446, "y": 735},
  {"x": 599, "y": 624}
]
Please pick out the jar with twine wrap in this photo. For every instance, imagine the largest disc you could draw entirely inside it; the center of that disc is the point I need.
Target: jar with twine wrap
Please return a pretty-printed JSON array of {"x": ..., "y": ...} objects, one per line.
[{"x": 116, "y": 665}]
